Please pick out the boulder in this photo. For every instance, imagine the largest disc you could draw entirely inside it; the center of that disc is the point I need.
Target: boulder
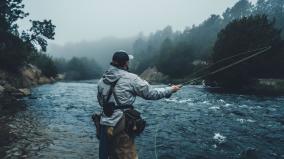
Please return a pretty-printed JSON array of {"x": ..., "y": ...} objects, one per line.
[
  {"x": 9, "y": 88},
  {"x": 30, "y": 71},
  {"x": 152, "y": 75},
  {"x": 1, "y": 89},
  {"x": 249, "y": 153},
  {"x": 52, "y": 80},
  {"x": 44, "y": 80},
  {"x": 60, "y": 77},
  {"x": 25, "y": 91},
  {"x": 2, "y": 82},
  {"x": 31, "y": 75}
]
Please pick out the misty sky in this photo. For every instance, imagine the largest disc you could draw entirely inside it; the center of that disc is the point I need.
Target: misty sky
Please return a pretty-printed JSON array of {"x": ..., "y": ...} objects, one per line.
[{"x": 78, "y": 20}]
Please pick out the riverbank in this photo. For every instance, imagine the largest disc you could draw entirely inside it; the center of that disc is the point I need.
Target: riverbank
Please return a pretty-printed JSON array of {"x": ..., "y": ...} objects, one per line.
[
  {"x": 14, "y": 85},
  {"x": 266, "y": 86}
]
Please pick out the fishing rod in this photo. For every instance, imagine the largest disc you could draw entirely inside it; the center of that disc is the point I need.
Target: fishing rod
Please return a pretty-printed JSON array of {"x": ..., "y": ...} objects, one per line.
[
  {"x": 259, "y": 52},
  {"x": 226, "y": 59}
]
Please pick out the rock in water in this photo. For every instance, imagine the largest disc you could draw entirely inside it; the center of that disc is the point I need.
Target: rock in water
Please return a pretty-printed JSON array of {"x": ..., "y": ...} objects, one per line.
[
  {"x": 60, "y": 77},
  {"x": 25, "y": 91},
  {"x": 9, "y": 88},
  {"x": 152, "y": 75},
  {"x": 1, "y": 89},
  {"x": 239, "y": 113},
  {"x": 249, "y": 153},
  {"x": 44, "y": 80}
]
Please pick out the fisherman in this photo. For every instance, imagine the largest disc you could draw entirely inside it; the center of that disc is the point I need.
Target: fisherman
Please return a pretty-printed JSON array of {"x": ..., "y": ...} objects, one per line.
[{"x": 120, "y": 87}]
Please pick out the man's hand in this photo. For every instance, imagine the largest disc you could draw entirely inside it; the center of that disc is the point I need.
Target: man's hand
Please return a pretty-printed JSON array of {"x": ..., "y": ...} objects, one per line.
[{"x": 175, "y": 88}]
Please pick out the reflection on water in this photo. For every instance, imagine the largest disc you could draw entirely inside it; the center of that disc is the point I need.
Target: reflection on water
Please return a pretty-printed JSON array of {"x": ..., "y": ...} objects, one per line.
[{"x": 192, "y": 124}]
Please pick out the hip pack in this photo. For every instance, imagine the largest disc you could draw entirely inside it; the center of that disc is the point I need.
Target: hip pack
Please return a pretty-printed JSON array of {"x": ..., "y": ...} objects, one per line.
[
  {"x": 134, "y": 124},
  {"x": 112, "y": 131}
]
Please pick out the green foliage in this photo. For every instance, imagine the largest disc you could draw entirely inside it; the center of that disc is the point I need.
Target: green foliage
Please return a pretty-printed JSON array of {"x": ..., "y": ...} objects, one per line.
[
  {"x": 245, "y": 34},
  {"x": 147, "y": 51},
  {"x": 202, "y": 38},
  {"x": 175, "y": 57},
  {"x": 79, "y": 68},
  {"x": 16, "y": 49},
  {"x": 45, "y": 63},
  {"x": 39, "y": 32},
  {"x": 61, "y": 65},
  {"x": 173, "y": 53},
  {"x": 241, "y": 9},
  {"x": 10, "y": 12},
  {"x": 273, "y": 9},
  {"x": 13, "y": 52}
]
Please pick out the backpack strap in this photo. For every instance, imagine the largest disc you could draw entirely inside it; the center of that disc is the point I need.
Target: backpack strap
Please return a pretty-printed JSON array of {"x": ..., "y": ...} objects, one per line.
[
  {"x": 110, "y": 91},
  {"x": 119, "y": 105}
]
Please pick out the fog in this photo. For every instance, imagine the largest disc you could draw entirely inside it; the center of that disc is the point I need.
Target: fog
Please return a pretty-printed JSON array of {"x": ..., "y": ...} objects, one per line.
[
  {"x": 100, "y": 50},
  {"x": 95, "y": 29},
  {"x": 95, "y": 19}
]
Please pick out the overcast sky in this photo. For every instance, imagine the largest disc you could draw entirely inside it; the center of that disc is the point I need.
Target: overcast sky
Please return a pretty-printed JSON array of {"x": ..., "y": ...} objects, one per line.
[{"x": 78, "y": 20}]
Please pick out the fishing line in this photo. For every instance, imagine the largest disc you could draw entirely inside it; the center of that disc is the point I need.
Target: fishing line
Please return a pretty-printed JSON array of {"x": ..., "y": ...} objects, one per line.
[
  {"x": 155, "y": 141},
  {"x": 263, "y": 50},
  {"x": 258, "y": 52},
  {"x": 227, "y": 58}
]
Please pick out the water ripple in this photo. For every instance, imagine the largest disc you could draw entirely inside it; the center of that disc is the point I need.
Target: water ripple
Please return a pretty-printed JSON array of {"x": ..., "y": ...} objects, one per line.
[{"x": 191, "y": 124}]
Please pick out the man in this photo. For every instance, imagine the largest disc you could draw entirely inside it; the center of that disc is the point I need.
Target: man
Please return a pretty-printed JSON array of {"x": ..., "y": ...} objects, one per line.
[{"x": 126, "y": 87}]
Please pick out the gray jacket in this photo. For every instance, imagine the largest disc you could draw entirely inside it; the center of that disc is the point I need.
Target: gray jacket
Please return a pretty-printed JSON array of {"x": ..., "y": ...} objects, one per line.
[{"x": 127, "y": 88}]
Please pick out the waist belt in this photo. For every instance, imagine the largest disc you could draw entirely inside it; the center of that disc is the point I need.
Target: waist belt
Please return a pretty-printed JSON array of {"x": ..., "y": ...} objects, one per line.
[{"x": 123, "y": 107}]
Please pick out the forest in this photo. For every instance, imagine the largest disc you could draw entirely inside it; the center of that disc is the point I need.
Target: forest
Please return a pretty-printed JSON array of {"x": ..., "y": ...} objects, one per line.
[
  {"x": 177, "y": 54},
  {"x": 243, "y": 27},
  {"x": 19, "y": 48}
]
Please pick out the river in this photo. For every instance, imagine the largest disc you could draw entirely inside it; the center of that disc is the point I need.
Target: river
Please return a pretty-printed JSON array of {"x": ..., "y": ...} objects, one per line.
[{"x": 55, "y": 122}]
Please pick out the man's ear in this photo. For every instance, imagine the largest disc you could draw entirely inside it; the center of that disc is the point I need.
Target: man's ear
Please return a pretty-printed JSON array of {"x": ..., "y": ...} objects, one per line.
[{"x": 126, "y": 65}]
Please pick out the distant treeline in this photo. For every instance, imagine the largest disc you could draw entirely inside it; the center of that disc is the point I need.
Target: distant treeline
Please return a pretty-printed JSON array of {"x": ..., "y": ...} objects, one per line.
[
  {"x": 243, "y": 27},
  {"x": 78, "y": 68},
  {"x": 101, "y": 50}
]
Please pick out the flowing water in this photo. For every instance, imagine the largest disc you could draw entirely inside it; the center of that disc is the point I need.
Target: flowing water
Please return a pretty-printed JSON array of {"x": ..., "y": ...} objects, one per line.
[{"x": 55, "y": 122}]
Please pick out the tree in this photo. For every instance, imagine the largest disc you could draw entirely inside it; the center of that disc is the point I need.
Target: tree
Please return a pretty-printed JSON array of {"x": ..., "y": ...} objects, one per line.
[
  {"x": 82, "y": 69},
  {"x": 61, "y": 65},
  {"x": 175, "y": 61},
  {"x": 248, "y": 33},
  {"x": 202, "y": 37},
  {"x": 13, "y": 52},
  {"x": 10, "y": 12},
  {"x": 39, "y": 33},
  {"x": 273, "y": 9},
  {"x": 147, "y": 51},
  {"x": 15, "y": 49},
  {"x": 198, "y": 42},
  {"x": 44, "y": 62},
  {"x": 241, "y": 9}
]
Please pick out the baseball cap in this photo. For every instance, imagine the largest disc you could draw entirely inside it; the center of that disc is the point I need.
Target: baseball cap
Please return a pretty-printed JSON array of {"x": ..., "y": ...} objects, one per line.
[{"x": 121, "y": 56}]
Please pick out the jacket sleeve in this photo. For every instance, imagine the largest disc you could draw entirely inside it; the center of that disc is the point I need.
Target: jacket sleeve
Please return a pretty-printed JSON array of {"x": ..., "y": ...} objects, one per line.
[{"x": 143, "y": 89}]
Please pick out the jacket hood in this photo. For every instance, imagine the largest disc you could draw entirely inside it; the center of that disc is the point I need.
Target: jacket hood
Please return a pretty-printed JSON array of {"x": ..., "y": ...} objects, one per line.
[{"x": 112, "y": 75}]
